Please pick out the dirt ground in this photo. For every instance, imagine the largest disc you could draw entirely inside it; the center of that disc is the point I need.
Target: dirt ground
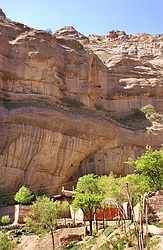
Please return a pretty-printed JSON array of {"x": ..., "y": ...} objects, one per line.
[{"x": 44, "y": 242}]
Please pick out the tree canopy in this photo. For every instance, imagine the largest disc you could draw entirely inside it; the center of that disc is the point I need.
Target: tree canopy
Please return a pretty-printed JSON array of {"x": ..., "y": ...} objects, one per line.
[
  {"x": 150, "y": 166},
  {"x": 43, "y": 212},
  {"x": 24, "y": 196},
  {"x": 88, "y": 196}
]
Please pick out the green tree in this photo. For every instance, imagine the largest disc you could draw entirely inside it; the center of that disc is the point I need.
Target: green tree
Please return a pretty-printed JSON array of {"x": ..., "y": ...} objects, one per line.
[
  {"x": 43, "y": 212},
  {"x": 88, "y": 196},
  {"x": 150, "y": 165},
  {"x": 24, "y": 196},
  {"x": 137, "y": 186},
  {"x": 109, "y": 189},
  {"x": 64, "y": 207},
  {"x": 6, "y": 243}
]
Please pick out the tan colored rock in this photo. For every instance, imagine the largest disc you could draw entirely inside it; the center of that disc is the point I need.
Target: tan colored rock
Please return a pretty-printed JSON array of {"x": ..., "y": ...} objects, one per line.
[{"x": 56, "y": 99}]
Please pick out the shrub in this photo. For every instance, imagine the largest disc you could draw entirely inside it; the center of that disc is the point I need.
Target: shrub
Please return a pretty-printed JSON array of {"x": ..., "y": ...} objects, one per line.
[
  {"x": 148, "y": 109},
  {"x": 109, "y": 230},
  {"x": 24, "y": 196},
  {"x": 73, "y": 102},
  {"x": 5, "y": 219},
  {"x": 137, "y": 113},
  {"x": 42, "y": 190},
  {"x": 6, "y": 243},
  {"x": 6, "y": 198},
  {"x": 99, "y": 107}
]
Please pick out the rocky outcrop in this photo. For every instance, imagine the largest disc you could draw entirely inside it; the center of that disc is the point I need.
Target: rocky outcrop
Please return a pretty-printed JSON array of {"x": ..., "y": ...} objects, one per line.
[
  {"x": 58, "y": 103},
  {"x": 2, "y": 14}
]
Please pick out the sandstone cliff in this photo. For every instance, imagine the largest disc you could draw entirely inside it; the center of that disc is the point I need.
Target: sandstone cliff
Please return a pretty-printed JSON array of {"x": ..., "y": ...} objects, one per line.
[{"x": 61, "y": 97}]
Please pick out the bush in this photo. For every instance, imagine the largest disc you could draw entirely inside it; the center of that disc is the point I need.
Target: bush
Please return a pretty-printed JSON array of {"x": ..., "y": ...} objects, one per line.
[
  {"x": 6, "y": 243},
  {"x": 99, "y": 107},
  {"x": 6, "y": 198},
  {"x": 24, "y": 196},
  {"x": 109, "y": 230},
  {"x": 137, "y": 113},
  {"x": 148, "y": 109},
  {"x": 73, "y": 102},
  {"x": 42, "y": 190},
  {"x": 5, "y": 219}
]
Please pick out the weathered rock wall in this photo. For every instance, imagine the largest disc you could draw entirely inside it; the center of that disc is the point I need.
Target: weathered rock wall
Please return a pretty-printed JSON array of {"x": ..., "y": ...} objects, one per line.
[{"x": 44, "y": 139}]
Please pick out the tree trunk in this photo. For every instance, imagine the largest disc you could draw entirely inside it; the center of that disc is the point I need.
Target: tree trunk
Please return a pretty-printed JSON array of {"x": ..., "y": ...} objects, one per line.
[
  {"x": 96, "y": 222},
  {"x": 103, "y": 217},
  {"x": 52, "y": 235},
  {"x": 90, "y": 224}
]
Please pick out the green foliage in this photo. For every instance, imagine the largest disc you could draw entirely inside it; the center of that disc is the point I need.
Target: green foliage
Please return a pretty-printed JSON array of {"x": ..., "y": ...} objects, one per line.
[
  {"x": 148, "y": 109},
  {"x": 114, "y": 189},
  {"x": 108, "y": 186},
  {"x": 24, "y": 196},
  {"x": 157, "y": 224},
  {"x": 153, "y": 243},
  {"x": 6, "y": 243},
  {"x": 104, "y": 246},
  {"x": 5, "y": 219},
  {"x": 137, "y": 119},
  {"x": 109, "y": 230},
  {"x": 42, "y": 190},
  {"x": 72, "y": 102},
  {"x": 150, "y": 166},
  {"x": 137, "y": 186},
  {"x": 64, "y": 207},
  {"x": 43, "y": 213},
  {"x": 138, "y": 113},
  {"x": 117, "y": 241},
  {"x": 88, "y": 196},
  {"x": 6, "y": 198},
  {"x": 72, "y": 245}
]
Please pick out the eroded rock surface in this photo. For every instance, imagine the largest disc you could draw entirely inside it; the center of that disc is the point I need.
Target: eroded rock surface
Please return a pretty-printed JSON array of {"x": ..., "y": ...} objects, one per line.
[{"x": 59, "y": 95}]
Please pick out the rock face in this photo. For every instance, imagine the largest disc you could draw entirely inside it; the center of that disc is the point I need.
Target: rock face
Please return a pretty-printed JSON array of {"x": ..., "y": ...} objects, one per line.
[
  {"x": 59, "y": 95},
  {"x": 2, "y": 14}
]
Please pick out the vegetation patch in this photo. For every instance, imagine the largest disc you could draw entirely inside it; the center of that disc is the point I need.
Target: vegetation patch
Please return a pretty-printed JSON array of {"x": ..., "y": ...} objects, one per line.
[
  {"x": 137, "y": 119},
  {"x": 109, "y": 230},
  {"x": 72, "y": 102},
  {"x": 6, "y": 243},
  {"x": 6, "y": 198},
  {"x": 99, "y": 107}
]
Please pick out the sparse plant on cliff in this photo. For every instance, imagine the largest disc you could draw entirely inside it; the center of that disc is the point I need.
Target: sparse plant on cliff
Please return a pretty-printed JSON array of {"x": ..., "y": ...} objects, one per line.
[
  {"x": 99, "y": 107},
  {"x": 24, "y": 196},
  {"x": 73, "y": 102},
  {"x": 148, "y": 109}
]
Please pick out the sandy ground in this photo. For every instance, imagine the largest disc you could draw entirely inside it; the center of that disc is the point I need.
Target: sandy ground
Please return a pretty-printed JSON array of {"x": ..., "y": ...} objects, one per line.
[{"x": 44, "y": 242}]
